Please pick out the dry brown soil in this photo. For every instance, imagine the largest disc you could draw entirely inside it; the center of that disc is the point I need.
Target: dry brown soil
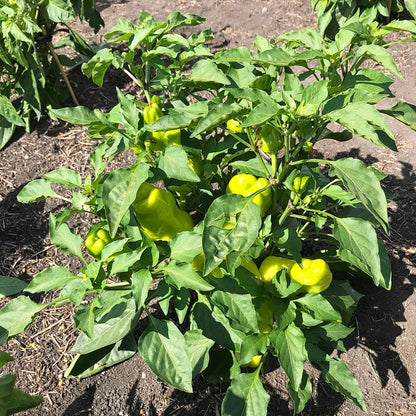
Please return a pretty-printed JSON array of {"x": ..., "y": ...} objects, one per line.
[{"x": 381, "y": 351}]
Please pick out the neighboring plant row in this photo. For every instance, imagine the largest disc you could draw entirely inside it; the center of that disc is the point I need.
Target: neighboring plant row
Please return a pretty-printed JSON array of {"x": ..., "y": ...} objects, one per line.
[
  {"x": 30, "y": 68},
  {"x": 228, "y": 231}
]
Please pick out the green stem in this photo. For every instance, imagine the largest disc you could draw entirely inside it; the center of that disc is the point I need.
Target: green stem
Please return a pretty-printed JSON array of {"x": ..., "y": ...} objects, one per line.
[
  {"x": 138, "y": 82},
  {"x": 274, "y": 165},
  {"x": 253, "y": 147}
]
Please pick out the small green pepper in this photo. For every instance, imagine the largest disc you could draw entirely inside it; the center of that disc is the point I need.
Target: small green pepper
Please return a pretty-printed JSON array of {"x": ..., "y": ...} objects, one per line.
[
  {"x": 300, "y": 184},
  {"x": 271, "y": 139},
  {"x": 96, "y": 242}
]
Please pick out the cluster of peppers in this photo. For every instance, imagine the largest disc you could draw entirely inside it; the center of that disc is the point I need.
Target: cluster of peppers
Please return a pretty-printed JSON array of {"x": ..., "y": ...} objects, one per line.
[{"x": 160, "y": 218}]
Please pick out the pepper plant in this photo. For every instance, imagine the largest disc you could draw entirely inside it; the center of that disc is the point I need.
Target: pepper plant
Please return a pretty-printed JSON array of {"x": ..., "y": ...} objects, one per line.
[
  {"x": 332, "y": 14},
  {"x": 29, "y": 65},
  {"x": 228, "y": 232}
]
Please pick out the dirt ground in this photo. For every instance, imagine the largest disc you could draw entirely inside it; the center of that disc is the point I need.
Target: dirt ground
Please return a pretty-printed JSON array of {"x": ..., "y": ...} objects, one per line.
[{"x": 382, "y": 349}]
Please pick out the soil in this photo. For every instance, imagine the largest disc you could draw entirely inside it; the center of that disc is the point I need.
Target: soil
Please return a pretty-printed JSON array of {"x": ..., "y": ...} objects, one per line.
[{"x": 381, "y": 351}]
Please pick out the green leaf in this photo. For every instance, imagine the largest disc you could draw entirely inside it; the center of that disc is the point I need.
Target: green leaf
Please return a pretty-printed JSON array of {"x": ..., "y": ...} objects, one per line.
[
  {"x": 240, "y": 54},
  {"x": 198, "y": 348},
  {"x": 313, "y": 96},
  {"x": 84, "y": 318},
  {"x": 318, "y": 307},
  {"x": 260, "y": 114},
  {"x": 207, "y": 71},
  {"x": 64, "y": 238},
  {"x": 214, "y": 324},
  {"x": 252, "y": 345},
  {"x": 251, "y": 166},
  {"x": 217, "y": 114},
  {"x": 54, "y": 277},
  {"x": 4, "y": 358},
  {"x": 288, "y": 239},
  {"x": 183, "y": 275},
  {"x": 363, "y": 183},
  {"x": 181, "y": 302},
  {"x": 301, "y": 396},
  {"x": 290, "y": 348},
  {"x": 381, "y": 55},
  {"x": 123, "y": 262},
  {"x": 411, "y": 7},
  {"x": 9, "y": 113},
  {"x": 360, "y": 247},
  {"x": 97, "y": 66},
  {"x": 404, "y": 112},
  {"x": 174, "y": 162},
  {"x": 235, "y": 302},
  {"x": 275, "y": 56},
  {"x": 86, "y": 365},
  {"x": 185, "y": 246},
  {"x": 17, "y": 400},
  {"x": 140, "y": 285},
  {"x": 10, "y": 286},
  {"x": 365, "y": 121},
  {"x": 66, "y": 177},
  {"x": 110, "y": 328},
  {"x": 36, "y": 190},
  {"x": 120, "y": 188},
  {"x": 164, "y": 350},
  {"x": 217, "y": 241},
  {"x": 16, "y": 315},
  {"x": 336, "y": 373},
  {"x": 79, "y": 115},
  {"x": 59, "y": 11},
  {"x": 245, "y": 397}
]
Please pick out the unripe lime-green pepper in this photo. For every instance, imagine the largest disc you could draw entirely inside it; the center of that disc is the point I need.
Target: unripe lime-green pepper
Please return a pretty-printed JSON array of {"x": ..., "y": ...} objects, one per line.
[
  {"x": 246, "y": 185},
  {"x": 234, "y": 126},
  {"x": 300, "y": 184},
  {"x": 272, "y": 265},
  {"x": 314, "y": 275},
  {"x": 271, "y": 139},
  {"x": 96, "y": 242},
  {"x": 198, "y": 265},
  {"x": 159, "y": 139},
  {"x": 158, "y": 214},
  {"x": 307, "y": 146},
  {"x": 265, "y": 313}
]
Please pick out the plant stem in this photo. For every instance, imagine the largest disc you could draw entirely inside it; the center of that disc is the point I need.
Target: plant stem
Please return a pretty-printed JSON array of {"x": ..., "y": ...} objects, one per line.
[{"x": 61, "y": 69}]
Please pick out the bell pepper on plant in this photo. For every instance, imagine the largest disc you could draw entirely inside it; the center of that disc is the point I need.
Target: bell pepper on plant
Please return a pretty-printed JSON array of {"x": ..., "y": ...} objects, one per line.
[
  {"x": 198, "y": 265},
  {"x": 159, "y": 139},
  {"x": 246, "y": 185},
  {"x": 314, "y": 275},
  {"x": 265, "y": 317},
  {"x": 96, "y": 242},
  {"x": 300, "y": 184},
  {"x": 254, "y": 362},
  {"x": 271, "y": 139},
  {"x": 158, "y": 214},
  {"x": 272, "y": 265},
  {"x": 234, "y": 126}
]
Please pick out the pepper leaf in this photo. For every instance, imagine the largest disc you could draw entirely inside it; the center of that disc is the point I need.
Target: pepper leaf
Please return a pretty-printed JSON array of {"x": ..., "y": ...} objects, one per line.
[
  {"x": 36, "y": 190},
  {"x": 246, "y": 396},
  {"x": 120, "y": 188},
  {"x": 164, "y": 350},
  {"x": 231, "y": 224}
]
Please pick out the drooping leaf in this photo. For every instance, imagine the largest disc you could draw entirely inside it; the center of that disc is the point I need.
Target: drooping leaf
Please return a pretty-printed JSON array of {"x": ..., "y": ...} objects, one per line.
[
  {"x": 164, "y": 350},
  {"x": 290, "y": 347},
  {"x": 198, "y": 348},
  {"x": 363, "y": 183},
  {"x": 120, "y": 188},
  {"x": 174, "y": 162},
  {"x": 231, "y": 224},
  {"x": 245, "y": 397},
  {"x": 64, "y": 238}
]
